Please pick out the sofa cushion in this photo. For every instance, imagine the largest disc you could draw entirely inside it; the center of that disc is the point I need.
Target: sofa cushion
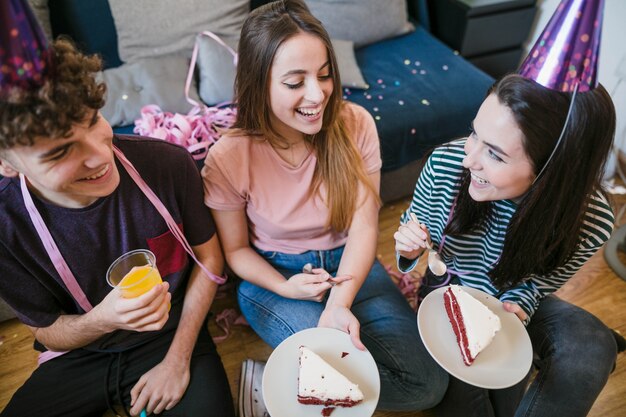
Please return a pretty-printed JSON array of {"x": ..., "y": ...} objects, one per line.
[
  {"x": 216, "y": 69},
  {"x": 149, "y": 28},
  {"x": 89, "y": 24},
  {"x": 348, "y": 67},
  {"x": 362, "y": 21},
  {"x": 159, "y": 80},
  {"x": 421, "y": 94}
]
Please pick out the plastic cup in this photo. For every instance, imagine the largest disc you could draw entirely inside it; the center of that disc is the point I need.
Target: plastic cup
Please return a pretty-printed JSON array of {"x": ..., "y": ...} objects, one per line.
[{"x": 134, "y": 273}]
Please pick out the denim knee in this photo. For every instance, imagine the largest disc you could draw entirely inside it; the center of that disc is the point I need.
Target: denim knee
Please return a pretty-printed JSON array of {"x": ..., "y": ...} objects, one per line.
[
  {"x": 414, "y": 392},
  {"x": 577, "y": 344}
]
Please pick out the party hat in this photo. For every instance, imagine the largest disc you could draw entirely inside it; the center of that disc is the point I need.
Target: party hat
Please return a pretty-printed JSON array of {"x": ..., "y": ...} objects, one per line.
[
  {"x": 566, "y": 53},
  {"x": 24, "y": 56}
]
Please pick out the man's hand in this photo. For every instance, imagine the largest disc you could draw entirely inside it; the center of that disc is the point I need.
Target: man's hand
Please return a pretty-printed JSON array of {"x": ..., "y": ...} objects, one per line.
[
  {"x": 148, "y": 312},
  {"x": 161, "y": 388},
  {"x": 341, "y": 318}
]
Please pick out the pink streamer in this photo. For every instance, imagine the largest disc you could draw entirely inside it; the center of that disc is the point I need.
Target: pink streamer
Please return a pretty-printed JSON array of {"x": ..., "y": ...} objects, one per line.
[
  {"x": 408, "y": 285},
  {"x": 225, "y": 320},
  {"x": 196, "y": 131}
]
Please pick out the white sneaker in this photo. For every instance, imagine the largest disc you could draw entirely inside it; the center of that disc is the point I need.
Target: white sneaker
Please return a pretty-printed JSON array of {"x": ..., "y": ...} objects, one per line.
[{"x": 250, "y": 391}]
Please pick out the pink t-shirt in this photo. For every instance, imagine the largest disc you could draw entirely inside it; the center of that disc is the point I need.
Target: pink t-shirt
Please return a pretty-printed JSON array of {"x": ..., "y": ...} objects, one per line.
[{"x": 242, "y": 172}]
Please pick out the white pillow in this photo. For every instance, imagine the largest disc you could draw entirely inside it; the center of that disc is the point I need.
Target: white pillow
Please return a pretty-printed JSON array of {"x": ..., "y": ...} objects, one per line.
[
  {"x": 362, "y": 21},
  {"x": 149, "y": 28},
  {"x": 158, "y": 81},
  {"x": 349, "y": 70},
  {"x": 216, "y": 69}
]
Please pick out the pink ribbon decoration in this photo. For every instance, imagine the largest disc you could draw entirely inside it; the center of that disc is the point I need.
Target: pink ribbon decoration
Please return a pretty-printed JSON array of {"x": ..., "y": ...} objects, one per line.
[
  {"x": 196, "y": 131},
  {"x": 408, "y": 285},
  {"x": 225, "y": 320}
]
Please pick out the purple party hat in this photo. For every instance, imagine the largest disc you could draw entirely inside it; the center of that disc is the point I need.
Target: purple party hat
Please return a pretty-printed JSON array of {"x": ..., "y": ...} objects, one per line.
[
  {"x": 24, "y": 56},
  {"x": 566, "y": 53}
]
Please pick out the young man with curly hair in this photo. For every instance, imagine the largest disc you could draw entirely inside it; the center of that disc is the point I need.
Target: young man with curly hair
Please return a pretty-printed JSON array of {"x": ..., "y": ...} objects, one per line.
[{"x": 129, "y": 354}]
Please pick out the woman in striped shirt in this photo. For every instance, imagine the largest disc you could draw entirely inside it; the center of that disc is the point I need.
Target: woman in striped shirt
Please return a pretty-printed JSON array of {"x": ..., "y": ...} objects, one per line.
[{"x": 515, "y": 222}]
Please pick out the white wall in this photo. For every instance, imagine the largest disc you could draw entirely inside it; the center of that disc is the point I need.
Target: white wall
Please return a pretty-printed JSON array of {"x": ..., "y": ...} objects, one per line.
[{"x": 612, "y": 64}]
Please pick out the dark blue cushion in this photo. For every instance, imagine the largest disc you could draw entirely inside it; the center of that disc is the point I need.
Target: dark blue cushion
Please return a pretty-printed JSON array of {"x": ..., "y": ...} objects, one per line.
[
  {"x": 417, "y": 106},
  {"x": 124, "y": 130},
  {"x": 90, "y": 24}
]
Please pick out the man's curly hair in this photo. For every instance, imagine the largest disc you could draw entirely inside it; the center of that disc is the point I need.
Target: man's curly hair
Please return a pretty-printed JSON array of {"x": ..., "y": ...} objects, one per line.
[{"x": 67, "y": 97}]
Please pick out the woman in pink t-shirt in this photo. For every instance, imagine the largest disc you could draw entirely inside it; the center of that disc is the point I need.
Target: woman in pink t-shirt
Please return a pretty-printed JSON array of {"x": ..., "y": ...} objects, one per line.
[{"x": 295, "y": 183}]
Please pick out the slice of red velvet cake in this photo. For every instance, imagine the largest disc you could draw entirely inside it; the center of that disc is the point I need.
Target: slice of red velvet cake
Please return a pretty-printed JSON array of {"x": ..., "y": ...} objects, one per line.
[
  {"x": 320, "y": 383},
  {"x": 473, "y": 323}
]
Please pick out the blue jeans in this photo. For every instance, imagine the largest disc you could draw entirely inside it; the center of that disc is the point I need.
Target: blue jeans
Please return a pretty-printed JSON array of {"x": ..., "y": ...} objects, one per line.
[
  {"x": 410, "y": 378},
  {"x": 574, "y": 355}
]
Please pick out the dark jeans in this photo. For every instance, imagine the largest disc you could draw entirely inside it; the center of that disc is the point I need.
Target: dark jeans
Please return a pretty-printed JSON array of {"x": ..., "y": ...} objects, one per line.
[
  {"x": 78, "y": 383},
  {"x": 410, "y": 378},
  {"x": 574, "y": 355}
]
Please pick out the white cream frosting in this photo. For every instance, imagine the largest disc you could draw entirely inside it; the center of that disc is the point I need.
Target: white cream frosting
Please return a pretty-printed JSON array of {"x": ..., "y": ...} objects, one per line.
[
  {"x": 320, "y": 380},
  {"x": 481, "y": 324}
]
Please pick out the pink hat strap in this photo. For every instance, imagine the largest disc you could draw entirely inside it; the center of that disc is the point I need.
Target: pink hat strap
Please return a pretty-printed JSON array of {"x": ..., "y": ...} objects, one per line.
[
  {"x": 171, "y": 224},
  {"x": 53, "y": 251}
]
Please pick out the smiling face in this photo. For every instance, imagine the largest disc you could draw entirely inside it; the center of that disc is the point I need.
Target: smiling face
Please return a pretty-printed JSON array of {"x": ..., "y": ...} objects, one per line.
[
  {"x": 69, "y": 172},
  {"x": 495, "y": 155},
  {"x": 300, "y": 86}
]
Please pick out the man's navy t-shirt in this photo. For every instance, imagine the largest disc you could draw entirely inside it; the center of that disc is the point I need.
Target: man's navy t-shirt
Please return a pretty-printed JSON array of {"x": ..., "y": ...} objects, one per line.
[{"x": 91, "y": 238}]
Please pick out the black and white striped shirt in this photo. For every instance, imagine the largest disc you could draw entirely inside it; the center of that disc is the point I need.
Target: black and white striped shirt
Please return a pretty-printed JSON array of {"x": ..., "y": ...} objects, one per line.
[{"x": 473, "y": 255}]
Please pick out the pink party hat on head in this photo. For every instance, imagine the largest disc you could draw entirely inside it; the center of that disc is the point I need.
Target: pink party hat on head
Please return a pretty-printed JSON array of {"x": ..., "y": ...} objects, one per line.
[
  {"x": 24, "y": 56},
  {"x": 566, "y": 53}
]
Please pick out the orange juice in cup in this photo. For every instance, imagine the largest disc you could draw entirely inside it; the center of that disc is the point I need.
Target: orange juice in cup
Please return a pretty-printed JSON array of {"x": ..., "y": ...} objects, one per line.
[
  {"x": 139, "y": 280},
  {"x": 134, "y": 273}
]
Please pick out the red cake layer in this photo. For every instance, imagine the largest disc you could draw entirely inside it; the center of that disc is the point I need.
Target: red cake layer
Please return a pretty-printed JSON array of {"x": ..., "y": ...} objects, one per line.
[
  {"x": 456, "y": 320},
  {"x": 346, "y": 402}
]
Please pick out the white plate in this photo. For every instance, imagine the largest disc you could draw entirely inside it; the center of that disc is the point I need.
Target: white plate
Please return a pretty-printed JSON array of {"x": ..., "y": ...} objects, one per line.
[
  {"x": 502, "y": 364},
  {"x": 280, "y": 378}
]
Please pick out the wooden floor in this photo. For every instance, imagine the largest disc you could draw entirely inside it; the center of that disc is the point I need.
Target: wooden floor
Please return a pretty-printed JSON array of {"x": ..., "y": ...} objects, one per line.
[{"x": 595, "y": 287}]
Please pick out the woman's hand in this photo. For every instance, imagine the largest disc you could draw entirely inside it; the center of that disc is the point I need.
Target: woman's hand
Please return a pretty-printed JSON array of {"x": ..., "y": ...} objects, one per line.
[
  {"x": 514, "y": 308},
  {"x": 310, "y": 286},
  {"x": 341, "y": 318},
  {"x": 411, "y": 239}
]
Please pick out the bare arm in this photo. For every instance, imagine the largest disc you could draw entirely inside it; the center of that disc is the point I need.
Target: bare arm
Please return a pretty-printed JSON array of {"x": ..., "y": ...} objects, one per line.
[
  {"x": 163, "y": 386},
  {"x": 232, "y": 227},
  {"x": 147, "y": 312},
  {"x": 198, "y": 299},
  {"x": 356, "y": 261},
  {"x": 360, "y": 249}
]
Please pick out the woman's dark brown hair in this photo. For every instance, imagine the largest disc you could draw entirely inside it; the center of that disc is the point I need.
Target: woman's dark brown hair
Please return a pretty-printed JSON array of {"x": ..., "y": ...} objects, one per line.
[
  {"x": 339, "y": 164},
  {"x": 545, "y": 230},
  {"x": 66, "y": 98}
]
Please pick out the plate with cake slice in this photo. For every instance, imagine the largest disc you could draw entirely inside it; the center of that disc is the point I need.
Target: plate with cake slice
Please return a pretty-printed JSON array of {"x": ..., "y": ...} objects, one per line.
[
  {"x": 471, "y": 336},
  {"x": 318, "y": 372}
]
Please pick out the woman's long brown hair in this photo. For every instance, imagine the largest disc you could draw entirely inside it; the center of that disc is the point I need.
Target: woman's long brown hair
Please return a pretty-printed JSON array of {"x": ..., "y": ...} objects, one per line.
[
  {"x": 545, "y": 230},
  {"x": 339, "y": 165}
]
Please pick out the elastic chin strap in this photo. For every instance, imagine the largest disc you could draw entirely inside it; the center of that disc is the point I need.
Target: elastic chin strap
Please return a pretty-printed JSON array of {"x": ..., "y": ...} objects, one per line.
[{"x": 558, "y": 142}]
